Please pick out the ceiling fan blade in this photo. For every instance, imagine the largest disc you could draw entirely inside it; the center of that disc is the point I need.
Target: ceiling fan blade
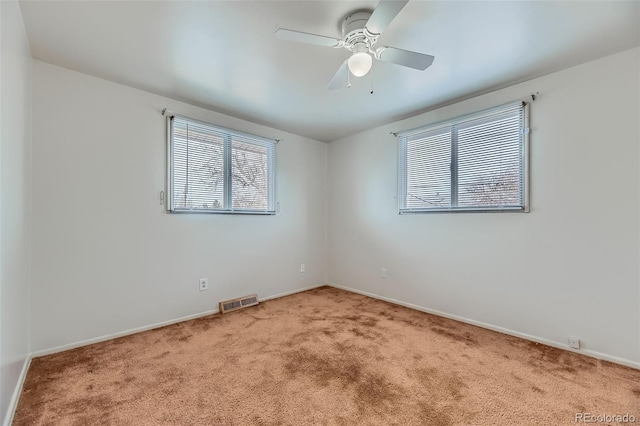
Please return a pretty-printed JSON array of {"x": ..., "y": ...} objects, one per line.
[
  {"x": 301, "y": 37},
  {"x": 341, "y": 78},
  {"x": 383, "y": 14},
  {"x": 406, "y": 58}
]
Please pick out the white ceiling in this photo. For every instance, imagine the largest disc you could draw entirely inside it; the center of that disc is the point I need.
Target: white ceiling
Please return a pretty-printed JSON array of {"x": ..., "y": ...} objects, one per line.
[{"x": 223, "y": 55}]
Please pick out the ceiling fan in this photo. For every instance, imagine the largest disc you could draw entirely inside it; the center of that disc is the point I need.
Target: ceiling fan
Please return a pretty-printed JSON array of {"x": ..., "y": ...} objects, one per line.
[{"x": 360, "y": 32}]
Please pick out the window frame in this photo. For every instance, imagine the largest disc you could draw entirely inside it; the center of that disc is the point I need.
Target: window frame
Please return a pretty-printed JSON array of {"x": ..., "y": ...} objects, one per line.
[
  {"x": 229, "y": 134},
  {"x": 403, "y": 137}
]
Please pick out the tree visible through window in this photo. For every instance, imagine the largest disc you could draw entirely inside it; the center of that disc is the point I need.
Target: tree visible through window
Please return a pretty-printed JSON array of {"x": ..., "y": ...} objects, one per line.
[
  {"x": 219, "y": 170},
  {"x": 473, "y": 163}
]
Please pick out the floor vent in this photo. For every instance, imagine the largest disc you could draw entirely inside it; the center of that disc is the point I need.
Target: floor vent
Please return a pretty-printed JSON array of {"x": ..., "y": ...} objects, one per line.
[{"x": 239, "y": 303}]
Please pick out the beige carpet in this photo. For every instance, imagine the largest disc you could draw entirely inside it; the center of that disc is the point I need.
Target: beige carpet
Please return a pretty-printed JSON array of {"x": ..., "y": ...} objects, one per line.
[{"x": 322, "y": 357}]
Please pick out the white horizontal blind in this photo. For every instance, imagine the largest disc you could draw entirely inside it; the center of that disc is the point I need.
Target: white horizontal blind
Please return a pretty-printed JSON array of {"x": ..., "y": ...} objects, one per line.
[
  {"x": 490, "y": 160},
  {"x": 198, "y": 166},
  {"x": 250, "y": 175},
  {"x": 428, "y": 171},
  {"x": 473, "y": 163},
  {"x": 213, "y": 169}
]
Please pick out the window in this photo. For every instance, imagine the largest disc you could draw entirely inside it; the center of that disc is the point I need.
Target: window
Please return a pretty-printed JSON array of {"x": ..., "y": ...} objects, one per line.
[
  {"x": 217, "y": 170},
  {"x": 473, "y": 163}
]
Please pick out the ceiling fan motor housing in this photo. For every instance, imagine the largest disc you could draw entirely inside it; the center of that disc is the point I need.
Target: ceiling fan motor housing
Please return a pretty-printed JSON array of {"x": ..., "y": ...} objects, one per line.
[{"x": 354, "y": 33}]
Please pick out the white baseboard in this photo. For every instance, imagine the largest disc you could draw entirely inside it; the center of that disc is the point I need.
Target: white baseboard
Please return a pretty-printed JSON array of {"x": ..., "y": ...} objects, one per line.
[
  {"x": 128, "y": 332},
  {"x": 288, "y": 293},
  {"x": 123, "y": 333},
  {"x": 13, "y": 403},
  {"x": 587, "y": 352}
]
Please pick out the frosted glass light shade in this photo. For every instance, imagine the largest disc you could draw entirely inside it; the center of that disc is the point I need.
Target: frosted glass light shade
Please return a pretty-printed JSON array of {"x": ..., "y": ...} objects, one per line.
[{"x": 360, "y": 63}]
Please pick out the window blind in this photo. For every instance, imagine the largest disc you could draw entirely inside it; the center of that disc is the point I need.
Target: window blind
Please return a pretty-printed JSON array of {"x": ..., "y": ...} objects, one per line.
[
  {"x": 473, "y": 163},
  {"x": 213, "y": 169}
]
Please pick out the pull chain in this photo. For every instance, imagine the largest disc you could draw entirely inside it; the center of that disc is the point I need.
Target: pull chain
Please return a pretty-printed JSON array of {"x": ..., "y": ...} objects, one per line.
[{"x": 371, "y": 79}]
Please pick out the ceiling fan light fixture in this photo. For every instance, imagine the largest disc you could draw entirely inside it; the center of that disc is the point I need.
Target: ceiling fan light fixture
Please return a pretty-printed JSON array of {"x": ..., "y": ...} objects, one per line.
[{"x": 360, "y": 63}]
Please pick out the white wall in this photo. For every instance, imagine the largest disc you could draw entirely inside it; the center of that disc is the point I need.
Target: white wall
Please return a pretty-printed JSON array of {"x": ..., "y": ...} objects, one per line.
[
  {"x": 570, "y": 267},
  {"x": 108, "y": 258},
  {"x": 15, "y": 200}
]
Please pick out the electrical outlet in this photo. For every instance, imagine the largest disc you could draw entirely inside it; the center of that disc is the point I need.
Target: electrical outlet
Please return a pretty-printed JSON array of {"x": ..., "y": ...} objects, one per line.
[
  {"x": 574, "y": 342},
  {"x": 383, "y": 273},
  {"x": 303, "y": 268},
  {"x": 204, "y": 284}
]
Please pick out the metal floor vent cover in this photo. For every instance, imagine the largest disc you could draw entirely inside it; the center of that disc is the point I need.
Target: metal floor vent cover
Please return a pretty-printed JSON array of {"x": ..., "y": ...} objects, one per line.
[{"x": 239, "y": 303}]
